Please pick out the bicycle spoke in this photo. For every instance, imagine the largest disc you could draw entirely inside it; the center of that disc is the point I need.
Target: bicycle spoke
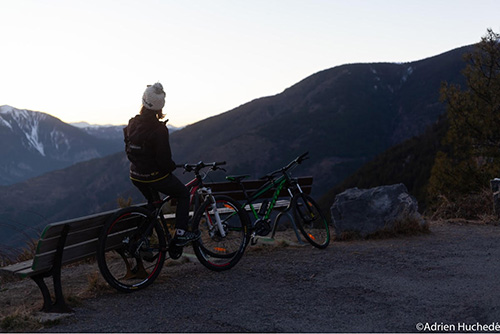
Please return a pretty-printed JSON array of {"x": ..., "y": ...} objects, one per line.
[
  {"x": 310, "y": 220},
  {"x": 129, "y": 259},
  {"x": 220, "y": 249}
]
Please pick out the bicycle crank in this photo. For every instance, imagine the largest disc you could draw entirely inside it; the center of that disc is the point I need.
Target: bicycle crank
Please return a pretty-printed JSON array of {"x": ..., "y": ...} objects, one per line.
[
  {"x": 262, "y": 227},
  {"x": 174, "y": 251}
]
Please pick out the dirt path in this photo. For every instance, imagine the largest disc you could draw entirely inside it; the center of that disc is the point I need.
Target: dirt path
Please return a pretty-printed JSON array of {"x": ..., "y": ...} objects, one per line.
[{"x": 447, "y": 277}]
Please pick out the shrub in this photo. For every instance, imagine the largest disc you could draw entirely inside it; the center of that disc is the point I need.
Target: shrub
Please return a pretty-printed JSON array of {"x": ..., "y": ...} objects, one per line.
[{"x": 476, "y": 206}]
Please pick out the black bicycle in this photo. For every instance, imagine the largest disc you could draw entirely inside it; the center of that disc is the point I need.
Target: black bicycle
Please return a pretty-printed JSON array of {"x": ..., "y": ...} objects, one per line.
[{"x": 135, "y": 241}]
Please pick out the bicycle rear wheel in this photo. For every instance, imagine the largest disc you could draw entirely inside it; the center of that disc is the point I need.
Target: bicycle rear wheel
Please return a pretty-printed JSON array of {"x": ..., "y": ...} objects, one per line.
[
  {"x": 129, "y": 257},
  {"x": 214, "y": 251},
  {"x": 310, "y": 220}
]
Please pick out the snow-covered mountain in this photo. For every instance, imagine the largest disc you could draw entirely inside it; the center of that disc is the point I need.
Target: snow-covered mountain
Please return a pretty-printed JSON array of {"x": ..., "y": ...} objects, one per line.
[
  {"x": 114, "y": 132},
  {"x": 110, "y": 131},
  {"x": 33, "y": 143}
]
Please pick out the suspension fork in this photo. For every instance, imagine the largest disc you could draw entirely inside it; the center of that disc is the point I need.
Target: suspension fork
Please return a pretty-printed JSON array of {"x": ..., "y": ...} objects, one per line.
[
  {"x": 213, "y": 205},
  {"x": 295, "y": 185}
]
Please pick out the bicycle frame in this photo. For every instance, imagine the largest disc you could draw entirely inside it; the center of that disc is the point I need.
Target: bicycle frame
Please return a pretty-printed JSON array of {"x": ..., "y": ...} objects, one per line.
[
  {"x": 260, "y": 225},
  {"x": 278, "y": 184},
  {"x": 284, "y": 181},
  {"x": 195, "y": 187}
]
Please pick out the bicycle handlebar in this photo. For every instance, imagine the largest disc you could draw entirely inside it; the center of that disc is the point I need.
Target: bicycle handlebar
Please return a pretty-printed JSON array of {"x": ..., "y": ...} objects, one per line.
[
  {"x": 293, "y": 163},
  {"x": 200, "y": 165}
]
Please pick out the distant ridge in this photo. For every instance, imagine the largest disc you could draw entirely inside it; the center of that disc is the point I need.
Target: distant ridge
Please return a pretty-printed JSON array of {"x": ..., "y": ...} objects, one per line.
[
  {"x": 108, "y": 130},
  {"x": 344, "y": 116}
]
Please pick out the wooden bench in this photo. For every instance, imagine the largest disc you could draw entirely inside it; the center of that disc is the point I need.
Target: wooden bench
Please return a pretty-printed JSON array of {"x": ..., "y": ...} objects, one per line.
[
  {"x": 73, "y": 240},
  {"x": 235, "y": 191},
  {"x": 60, "y": 244}
]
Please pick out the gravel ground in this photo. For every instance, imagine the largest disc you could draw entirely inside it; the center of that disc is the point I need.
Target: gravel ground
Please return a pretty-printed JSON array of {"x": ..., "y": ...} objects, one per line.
[{"x": 448, "y": 277}]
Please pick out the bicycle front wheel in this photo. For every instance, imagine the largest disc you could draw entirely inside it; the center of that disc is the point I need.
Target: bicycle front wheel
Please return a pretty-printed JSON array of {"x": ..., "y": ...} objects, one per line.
[
  {"x": 220, "y": 247},
  {"x": 311, "y": 221},
  {"x": 131, "y": 249}
]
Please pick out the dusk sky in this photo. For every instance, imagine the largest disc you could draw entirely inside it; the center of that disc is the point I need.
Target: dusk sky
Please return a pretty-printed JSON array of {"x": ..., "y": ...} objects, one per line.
[{"x": 91, "y": 60}]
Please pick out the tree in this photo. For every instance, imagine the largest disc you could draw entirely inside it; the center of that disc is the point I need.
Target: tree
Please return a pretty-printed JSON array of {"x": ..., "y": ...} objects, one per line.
[{"x": 472, "y": 144}]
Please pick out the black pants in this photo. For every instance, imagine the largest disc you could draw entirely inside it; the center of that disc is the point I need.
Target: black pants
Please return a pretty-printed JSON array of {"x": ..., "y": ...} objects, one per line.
[{"x": 173, "y": 187}]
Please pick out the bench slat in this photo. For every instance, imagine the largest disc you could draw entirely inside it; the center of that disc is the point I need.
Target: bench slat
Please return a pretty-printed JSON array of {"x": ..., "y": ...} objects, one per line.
[
  {"x": 253, "y": 184},
  {"x": 76, "y": 224},
  {"x": 16, "y": 267},
  {"x": 48, "y": 245},
  {"x": 75, "y": 237},
  {"x": 71, "y": 254},
  {"x": 234, "y": 190},
  {"x": 75, "y": 241}
]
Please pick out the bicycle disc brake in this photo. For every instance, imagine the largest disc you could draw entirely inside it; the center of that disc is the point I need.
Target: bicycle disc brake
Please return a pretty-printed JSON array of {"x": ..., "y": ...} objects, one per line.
[
  {"x": 174, "y": 251},
  {"x": 216, "y": 235}
]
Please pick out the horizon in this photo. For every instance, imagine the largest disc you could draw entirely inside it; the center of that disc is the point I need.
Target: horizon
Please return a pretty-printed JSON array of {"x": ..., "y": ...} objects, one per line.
[
  {"x": 84, "y": 123},
  {"x": 210, "y": 57}
]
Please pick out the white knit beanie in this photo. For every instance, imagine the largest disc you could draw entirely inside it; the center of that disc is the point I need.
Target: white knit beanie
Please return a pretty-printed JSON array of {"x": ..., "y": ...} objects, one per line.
[{"x": 154, "y": 97}]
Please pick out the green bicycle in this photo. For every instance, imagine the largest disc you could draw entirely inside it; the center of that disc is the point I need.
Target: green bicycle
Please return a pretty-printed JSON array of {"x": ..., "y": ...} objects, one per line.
[{"x": 306, "y": 212}]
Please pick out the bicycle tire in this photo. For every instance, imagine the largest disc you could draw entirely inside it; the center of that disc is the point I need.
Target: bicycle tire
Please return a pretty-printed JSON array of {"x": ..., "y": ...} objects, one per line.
[
  {"x": 310, "y": 220},
  {"x": 128, "y": 259},
  {"x": 215, "y": 252}
]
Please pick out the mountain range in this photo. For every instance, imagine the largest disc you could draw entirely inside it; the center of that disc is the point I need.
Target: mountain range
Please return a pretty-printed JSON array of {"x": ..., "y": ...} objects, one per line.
[
  {"x": 34, "y": 143},
  {"x": 112, "y": 132},
  {"x": 344, "y": 116}
]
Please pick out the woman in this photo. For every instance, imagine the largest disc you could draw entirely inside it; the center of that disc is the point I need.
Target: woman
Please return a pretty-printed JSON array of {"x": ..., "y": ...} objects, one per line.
[{"x": 151, "y": 165}]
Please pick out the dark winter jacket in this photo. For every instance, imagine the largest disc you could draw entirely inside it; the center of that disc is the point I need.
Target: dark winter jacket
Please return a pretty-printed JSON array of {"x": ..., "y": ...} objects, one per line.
[{"x": 148, "y": 148}]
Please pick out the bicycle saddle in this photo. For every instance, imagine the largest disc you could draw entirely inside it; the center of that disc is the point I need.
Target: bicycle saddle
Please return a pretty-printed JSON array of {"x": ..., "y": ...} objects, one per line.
[{"x": 237, "y": 178}]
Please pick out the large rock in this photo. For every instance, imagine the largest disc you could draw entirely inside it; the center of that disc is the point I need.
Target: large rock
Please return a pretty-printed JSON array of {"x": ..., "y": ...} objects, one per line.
[{"x": 367, "y": 211}]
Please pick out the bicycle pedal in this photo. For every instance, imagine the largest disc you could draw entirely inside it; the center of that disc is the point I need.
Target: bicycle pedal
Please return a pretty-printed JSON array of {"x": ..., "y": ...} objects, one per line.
[{"x": 253, "y": 241}]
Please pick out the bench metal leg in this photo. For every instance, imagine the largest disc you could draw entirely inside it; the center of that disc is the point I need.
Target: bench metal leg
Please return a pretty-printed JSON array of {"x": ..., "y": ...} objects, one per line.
[
  {"x": 47, "y": 300},
  {"x": 287, "y": 212},
  {"x": 59, "y": 305}
]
